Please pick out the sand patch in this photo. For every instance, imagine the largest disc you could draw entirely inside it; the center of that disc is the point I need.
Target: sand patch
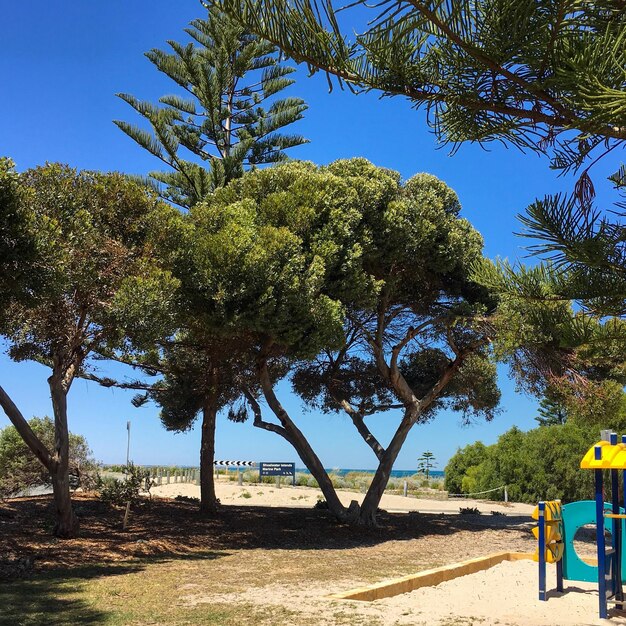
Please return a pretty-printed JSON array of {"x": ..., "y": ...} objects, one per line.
[
  {"x": 505, "y": 594},
  {"x": 269, "y": 495}
]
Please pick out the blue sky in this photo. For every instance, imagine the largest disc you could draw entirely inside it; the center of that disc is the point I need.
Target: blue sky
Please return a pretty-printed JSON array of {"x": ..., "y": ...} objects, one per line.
[{"x": 62, "y": 63}]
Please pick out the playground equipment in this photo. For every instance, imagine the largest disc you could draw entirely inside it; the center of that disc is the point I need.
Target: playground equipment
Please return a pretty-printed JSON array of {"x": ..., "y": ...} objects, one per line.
[{"x": 557, "y": 526}]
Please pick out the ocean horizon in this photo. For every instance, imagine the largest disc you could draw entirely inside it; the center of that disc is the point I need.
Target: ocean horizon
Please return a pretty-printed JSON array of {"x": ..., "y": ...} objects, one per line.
[
  {"x": 341, "y": 471},
  {"x": 394, "y": 473}
]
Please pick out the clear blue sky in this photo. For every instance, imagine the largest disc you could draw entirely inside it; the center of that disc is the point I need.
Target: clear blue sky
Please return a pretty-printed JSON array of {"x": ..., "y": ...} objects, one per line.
[{"x": 62, "y": 63}]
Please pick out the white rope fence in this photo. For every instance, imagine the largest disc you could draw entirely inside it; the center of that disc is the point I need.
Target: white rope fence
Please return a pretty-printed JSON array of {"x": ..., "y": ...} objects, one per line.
[{"x": 480, "y": 493}]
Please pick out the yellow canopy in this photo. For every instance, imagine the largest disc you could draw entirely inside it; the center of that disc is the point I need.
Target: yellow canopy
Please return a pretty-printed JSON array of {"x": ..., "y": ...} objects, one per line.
[{"x": 613, "y": 457}]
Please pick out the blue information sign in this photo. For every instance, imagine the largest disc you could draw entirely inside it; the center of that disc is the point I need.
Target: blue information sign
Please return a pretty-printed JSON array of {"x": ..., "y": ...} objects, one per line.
[{"x": 277, "y": 469}]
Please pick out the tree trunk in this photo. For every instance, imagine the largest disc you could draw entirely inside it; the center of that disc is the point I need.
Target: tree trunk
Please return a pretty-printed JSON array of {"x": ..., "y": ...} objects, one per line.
[
  {"x": 289, "y": 431},
  {"x": 314, "y": 465},
  {"x": 367, "y": 514},
  {"x": 66, "y": 524},
  {"x": 24, "y": 429},
  {"x": 208, "y": 500}
]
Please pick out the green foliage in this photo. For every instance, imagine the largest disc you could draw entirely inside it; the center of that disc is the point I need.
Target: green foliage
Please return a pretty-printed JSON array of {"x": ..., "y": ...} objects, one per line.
[
  {"x": 20, "y": 469},
  {"x": 469, "y": 511},
  {"x": 456, "y": 468},
  {"x": 551, "y": 412},
  {"x": 541, "y": 464},
  {"x": 91, "y": 230},
  {"x": 538, "y": 75},
  {"x": 426, "y": 462},
  {"x": 225, "y": 115},
  {"x": 18, "y": 242},
  {"x": 407, "y": 255},
  {"x": 548, "y": 344},
  {"x": 522, "y": 72},
  {"x": 115, "y": 492}
]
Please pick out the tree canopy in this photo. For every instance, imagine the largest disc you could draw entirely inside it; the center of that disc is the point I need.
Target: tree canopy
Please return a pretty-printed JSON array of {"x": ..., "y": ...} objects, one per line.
[
  {"x": 543, "y": 76},
  {"x": 96, "y": 280},
  {"x": 524, "y": 72},
  {"x": 225, "y": 116},
  {"x": 353, "y": 281}
]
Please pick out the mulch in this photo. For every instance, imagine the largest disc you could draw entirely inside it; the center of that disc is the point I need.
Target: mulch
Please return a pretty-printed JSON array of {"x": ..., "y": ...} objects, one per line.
[{"x": 162, "y": 528}]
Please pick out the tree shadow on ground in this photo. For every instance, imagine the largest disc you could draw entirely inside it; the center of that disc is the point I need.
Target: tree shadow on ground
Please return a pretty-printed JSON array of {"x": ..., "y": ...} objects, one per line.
[
  {"x": 55, "y": 598},
  {"x": 164, "y": 529}
]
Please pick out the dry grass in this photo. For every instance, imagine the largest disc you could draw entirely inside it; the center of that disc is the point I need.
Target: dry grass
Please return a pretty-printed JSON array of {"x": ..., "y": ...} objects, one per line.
[{"x": 248, "y": 565}]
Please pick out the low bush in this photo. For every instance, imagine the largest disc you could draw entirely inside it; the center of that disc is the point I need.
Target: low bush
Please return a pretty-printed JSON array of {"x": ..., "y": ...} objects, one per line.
[
  {"x": 115, "y": 492},
  {"x": 468, "y": 510}
]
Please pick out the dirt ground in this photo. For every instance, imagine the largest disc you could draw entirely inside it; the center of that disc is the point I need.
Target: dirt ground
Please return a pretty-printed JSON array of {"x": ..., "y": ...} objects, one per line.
[
  {"x": 164, "y": 527},
  {"x": 268, "y": 566}
]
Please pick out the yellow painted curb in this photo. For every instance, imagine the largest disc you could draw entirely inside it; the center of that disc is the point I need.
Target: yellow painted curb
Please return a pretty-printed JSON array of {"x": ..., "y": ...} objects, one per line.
[{"x": 429, "y": 577}]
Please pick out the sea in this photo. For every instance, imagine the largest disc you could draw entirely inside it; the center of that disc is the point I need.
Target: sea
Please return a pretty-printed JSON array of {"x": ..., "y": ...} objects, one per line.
[
  {"x": 394, "y": 473},
  {"x": 344, "y": 471}
]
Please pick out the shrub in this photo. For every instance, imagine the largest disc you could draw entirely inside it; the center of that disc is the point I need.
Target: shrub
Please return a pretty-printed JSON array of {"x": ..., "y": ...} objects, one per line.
[
  {"x": 115, "y": 492},
  {"x": 20, "y": 469},
  {"x": 541, "y": 464},
  {"x": 468, "y": 510},
  {"x": 188, "y": 499}
]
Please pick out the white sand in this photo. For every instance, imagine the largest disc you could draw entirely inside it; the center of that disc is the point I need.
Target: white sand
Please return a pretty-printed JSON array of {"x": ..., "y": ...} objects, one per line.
[
  {"x": 288, "y": 496},
  {"x": 505, "y": 595}
]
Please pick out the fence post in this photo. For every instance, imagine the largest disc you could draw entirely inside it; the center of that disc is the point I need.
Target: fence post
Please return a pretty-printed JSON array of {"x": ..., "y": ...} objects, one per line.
[
  {"x": 406, "y": 488},
  {"x": 506, "y": 494},
  {"x": 278, "y": 481},
  {"x": 167, "y": 476}
]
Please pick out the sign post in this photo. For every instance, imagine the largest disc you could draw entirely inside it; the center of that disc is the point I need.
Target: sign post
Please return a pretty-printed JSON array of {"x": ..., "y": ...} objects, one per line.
[{"x": 128, "y": 443}]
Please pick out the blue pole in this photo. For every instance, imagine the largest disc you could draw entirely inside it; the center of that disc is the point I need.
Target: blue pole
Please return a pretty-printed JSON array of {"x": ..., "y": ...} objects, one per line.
[
  {"x": 616, "y": 570},
  {"x": 600, "y": 539},
  {"x": 541, "y": 524}
]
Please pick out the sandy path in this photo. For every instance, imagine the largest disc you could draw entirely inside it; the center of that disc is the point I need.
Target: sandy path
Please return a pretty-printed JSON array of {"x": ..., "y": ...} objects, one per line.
[{"x": 270, "y": 495}]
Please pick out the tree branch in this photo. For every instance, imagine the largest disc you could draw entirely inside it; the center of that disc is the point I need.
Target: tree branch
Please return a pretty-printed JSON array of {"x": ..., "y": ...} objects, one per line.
[
  {"x": 25, "y": 431},
  {"x": 258, "y": 417}
]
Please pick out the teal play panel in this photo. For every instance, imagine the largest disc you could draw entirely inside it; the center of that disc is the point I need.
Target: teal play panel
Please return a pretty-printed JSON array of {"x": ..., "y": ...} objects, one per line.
[{"x": 576, "y": 515}]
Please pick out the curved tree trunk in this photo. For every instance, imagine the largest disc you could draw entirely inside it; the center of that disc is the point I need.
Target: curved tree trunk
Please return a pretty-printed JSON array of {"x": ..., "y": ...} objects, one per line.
[
  {"x": 314, "y": 465},
  {"x": 67, "y": 523},
  {"x": 367, "y": 514},
  {"x": 289, "y": 431},
  {"x": 208, "y": 499}
]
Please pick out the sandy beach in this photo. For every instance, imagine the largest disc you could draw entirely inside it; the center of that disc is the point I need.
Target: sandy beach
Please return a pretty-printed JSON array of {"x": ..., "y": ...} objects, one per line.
[
  {"x": 230, "y": 492},
  {"x": 505, "y": 595}
]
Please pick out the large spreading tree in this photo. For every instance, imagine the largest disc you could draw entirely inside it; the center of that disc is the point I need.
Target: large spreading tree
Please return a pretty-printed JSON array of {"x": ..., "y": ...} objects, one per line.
[
  {"x": 354, "y": 285},
  {"x": 88, "y": 278}
]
